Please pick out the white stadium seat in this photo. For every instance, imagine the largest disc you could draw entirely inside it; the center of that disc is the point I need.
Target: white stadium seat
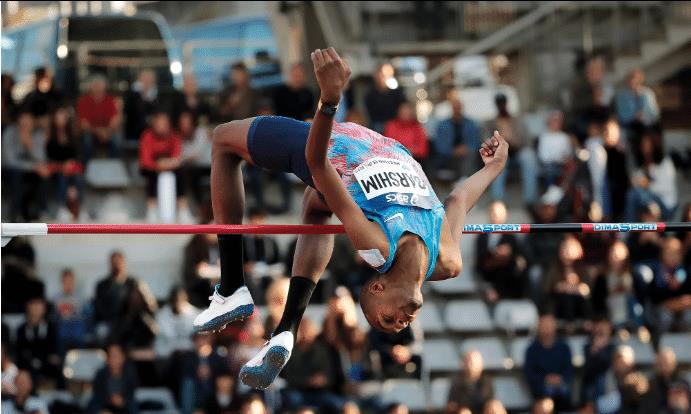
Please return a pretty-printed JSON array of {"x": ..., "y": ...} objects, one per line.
[
  {"x": 468, "y": 316},
  {"x": 430, "y": 319},
  {"x": 440, "y": 355},
  {"x": 680, "y": 343},
  {"x": 517, "y": 348},
  {"x": 159, "y": 396},
  {"x": 408, "y": 392},
  {"x": 82, "y": 364},
  {"x": 516, "y": 315},
  {"x": 439, "y": 393},
  {"x": 493, "y": 352},
  {"x": 464, "y": 284},
  {"x": 512, "y": 392}
]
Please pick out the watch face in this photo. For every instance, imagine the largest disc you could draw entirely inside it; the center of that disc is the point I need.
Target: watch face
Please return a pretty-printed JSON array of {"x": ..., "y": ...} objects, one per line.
[{"x": 329, "y": 110}]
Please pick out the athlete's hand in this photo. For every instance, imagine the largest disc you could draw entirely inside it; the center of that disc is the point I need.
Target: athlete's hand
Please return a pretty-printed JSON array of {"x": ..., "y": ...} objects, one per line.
[
  {"x": 332, "y": 74},
  {"x": 495, "y": 151}
]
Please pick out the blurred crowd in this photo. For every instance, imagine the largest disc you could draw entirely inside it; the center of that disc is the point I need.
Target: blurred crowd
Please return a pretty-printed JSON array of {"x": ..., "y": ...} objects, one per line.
[{"x": 600, "y": 157}]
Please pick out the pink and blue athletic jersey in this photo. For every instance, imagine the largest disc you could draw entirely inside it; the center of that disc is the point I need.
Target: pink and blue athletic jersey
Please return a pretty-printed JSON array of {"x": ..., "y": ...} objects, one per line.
[
  {"x": 380, "y": 174},
  {"x": 389, "y": 186}
]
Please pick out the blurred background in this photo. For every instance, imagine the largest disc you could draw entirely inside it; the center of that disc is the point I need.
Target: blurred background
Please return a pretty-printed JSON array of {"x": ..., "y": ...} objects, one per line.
[{"x": 593, "y": 97}]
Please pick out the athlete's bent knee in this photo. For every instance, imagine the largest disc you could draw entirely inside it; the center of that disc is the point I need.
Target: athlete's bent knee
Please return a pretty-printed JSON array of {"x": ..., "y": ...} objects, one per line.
[{"x": 451, "y": 266}]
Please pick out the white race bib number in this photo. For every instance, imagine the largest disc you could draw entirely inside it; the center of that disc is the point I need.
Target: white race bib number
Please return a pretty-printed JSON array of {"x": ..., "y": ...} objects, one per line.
[{"x": 379, "y": 176}]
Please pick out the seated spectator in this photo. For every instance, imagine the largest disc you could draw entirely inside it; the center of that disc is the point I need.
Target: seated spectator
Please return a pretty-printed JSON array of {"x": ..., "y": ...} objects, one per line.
[
  {"x": 597, "y": 165},
  {"x": 196, "y": 154},
  {"x": 457, "y": 142},
  {"x": 260, "y": 251},
  {"x": 382, "y": 101},
  {"x": 9, "y": 106},
  {"x": 548, "y": 367},
  {"x": 112, "y": 293},
  {"x": 520, "y": 151},
  {"x": 19, "y": 281},
  {"x": 400, "y": 354},
  {"x": 254, "y": 405},
  {"x": 614, "y": 291},
  {"x": 239, "y": 100},
  {"x": 137, "y": 327},
  {"x": 44, "y": 98},
  {"x": 311, "y": 374},
  {"x": 201, "y": 268},
  {"x": 397, "y": 408},
  {"x": 678, "y": 399},
  {"x": 618, "y": 181},
  {"x": 224, "y": 399},
  {"x": 645, "y": 246},
  {"x": 140, "y": 103},
  {"x": 598, "y": 358},
  {"x": 294, "y": 99},
  {"x": 175, "y": 323},
  {"x": 541, "y": 249},
  {"x": 37, "y": 343},
  {"x": 24, "y": 399},
  {"x": 470, "y": 388},
  {"x": 198, "y": 368},
  {"x": 567, "y": 286},
  {"x": 351, "y": 408},
  {"x": 160, "y": 150},
  {"x": 71, "y": 313},
  {"x": 670, "y": 290},
  {"x": 114, "y": 385},
  {"x": 99, "y": 119},
  {"x": 64, "y": 165},
  {"x": 9, "y": 371},
  {"x": 499, "y": 260},
  {"x": 407, "y": 130},
  {"x": 554, "y": 148},
  {"x": 276, "y": 296},
  {"x": 24, "y": 163},
  {"x": 240, "y": 352},
  {"x": 636, "y": 104},
  {"x": 189, "y": 100},
  {"x": 494, "y": 406},
  {"x": 347, "y": 267},
  {"x": 543, "y": 406},
  {"x": 654, "y": 180},
  {"x": 666, "y": 374}
]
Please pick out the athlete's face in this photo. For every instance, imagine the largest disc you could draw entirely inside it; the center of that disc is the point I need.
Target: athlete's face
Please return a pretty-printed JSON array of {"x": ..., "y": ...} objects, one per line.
[{"x": 389, "y": 307}]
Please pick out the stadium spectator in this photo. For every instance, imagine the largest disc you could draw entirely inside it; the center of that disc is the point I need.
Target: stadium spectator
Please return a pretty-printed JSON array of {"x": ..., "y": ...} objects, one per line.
[
  {"x": 189, "y": 100},
  {"x": 400, "y": 354},
  {"x": 383, "y": 100},
  {"x": 406, "y": 129},
  {"x": 665, "y": 375},
  {"x": 37, "y": 343},
  {"x": 499, "y": 259},
  {"x": 254, "y": 405},
  {"x": 196, "y": 154},
  {"x": 140, "y": 102},
  {"x": 276, "y": 296},
  {"x": 224, "y": 398},
  {"x": 397, "y": 408},
  {"x": 645, "y": 247},
  {"x": 44, "y": 98},
  {"x": 65, "y": 165},
  {"x": 614, "y": 291},
  {"x": 200, "y": 267},
  {"x": 347, "y": 267},
  {"x": 598, "y": 359},
  {"x": 260, "y": 252},
  {"x": 99, "y": 119},
  {"x": 175, "y": 323},
  {"x": 654, "y": 180},
  {"x": 160, "y": 150},
  {"x": 636, "y": 104},
  {"x": 239, "y": 352},
  {"x": 112, "y": 293},
  {"x": 196, "y": 371},
  {"x": 567, "y": 284},
  {"x": 311, "y": 373},
  {"x": 554, "y": 149},
  {"x": 669, "y": 290},
  {"x": 114, "y": 385},
  {"x": 294, "y": 99},
  {"x": 9, "y": 371},
  {"x": 678, "y": 399},
  {"x": 470, "y": 388},
  {"x": 494, "y": 406},
  {"x": 597, "y": 166},
  {"x": 590, "y": 95},
  {"x": 541, "y": 249},
  {"x": 24, "y": 400},
  {"x": 71, "y": 312},
  {"x": 9, "y": 106},
  {"x": 137, "y": 327},
  {"x": 240, "y": 100},
  {"x": 543, "y": 406},
  {"x": 458, "y": 139},
  {"x": 618, "y": 181},
  {"x": 24, "y": 161},
  {"x": 520, "y": 152},
  {"x": 548, "y": 366},
  {"x": 19, "y": 281}
]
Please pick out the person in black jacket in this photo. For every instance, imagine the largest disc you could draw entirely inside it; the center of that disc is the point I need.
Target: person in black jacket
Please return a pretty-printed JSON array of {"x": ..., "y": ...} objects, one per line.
[
  {"x": 140, "y": 102},
  {"x": 112, "y": 293},
  {"x": 37, "y": 345},
  {"x": 114, "y": 385},
  {"x": 294, "y": 99},
  {"x": 598, "y": 360}
]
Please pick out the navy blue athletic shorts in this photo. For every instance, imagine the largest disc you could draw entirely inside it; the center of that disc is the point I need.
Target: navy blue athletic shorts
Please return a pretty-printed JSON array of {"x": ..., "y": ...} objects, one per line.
[{"x": 278, "y": 144}]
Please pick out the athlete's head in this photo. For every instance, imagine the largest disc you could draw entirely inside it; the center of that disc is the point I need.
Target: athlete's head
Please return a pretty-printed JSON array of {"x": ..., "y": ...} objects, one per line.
[{"x": 391, "y": 301}]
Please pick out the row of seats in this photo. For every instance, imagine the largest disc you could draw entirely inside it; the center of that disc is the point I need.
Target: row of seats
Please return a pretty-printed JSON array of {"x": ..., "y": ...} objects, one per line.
[{"x": 156, "y": 400}]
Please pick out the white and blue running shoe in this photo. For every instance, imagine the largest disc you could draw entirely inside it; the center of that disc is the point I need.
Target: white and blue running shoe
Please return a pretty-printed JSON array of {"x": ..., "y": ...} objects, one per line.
[
  {"x": 260, "y": 371},
  {"x": 224, "y": 310}
]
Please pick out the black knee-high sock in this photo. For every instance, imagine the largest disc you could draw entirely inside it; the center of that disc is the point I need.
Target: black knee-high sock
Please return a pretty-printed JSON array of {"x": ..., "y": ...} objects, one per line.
[
  {"x": 231, "y": 252},
  {"x": 299, "y": 294}
]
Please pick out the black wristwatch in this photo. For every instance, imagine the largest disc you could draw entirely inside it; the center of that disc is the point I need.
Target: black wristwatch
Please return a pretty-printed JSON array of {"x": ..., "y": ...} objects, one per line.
[{"x": 327, "y": 108}]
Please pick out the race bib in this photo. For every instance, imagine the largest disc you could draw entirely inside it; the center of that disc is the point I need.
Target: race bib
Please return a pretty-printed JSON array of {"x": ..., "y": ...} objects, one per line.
[{"x": 387, "y": 180}]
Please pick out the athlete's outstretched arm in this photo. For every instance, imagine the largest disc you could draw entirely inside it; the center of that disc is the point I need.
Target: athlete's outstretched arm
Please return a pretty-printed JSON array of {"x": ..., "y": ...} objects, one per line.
[
  {"x": 332, "y": 75},
  {"x": 494, "y": 152}
]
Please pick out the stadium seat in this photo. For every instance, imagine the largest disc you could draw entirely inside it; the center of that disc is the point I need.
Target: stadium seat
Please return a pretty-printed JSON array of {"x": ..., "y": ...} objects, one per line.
[
  {"x": 13, "y": 322},
  {"x": 408, "y": 392},
  {"x": 515, "y": 315},
  {"x": 440, "y": 355},
  {"x": 464, "y": 284},
  {"x": 155, "y": 400},
  {"x": 679, "y": 342},
  {"x": 576, "y": 343},
  {"x": 107, "y": 174},
  {"x": 430, "y": 319},
  {"x": 517, "y": 348},
  {"x": 439, "y": 393},
  {"x": 512, "y": 392},
  {"x": 51, "y": 396},
  {"x": 644, "y": 353},
  {"x": 468, "y": 316},
  {"x": 316, "y": 313},
  {"x": 82, "y": 364},
  {"x": 492, "y": 349}
]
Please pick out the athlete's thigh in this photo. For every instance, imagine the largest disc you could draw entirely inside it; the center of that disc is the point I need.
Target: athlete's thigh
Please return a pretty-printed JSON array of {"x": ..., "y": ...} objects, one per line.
[{"x": 232, "y": 137}]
